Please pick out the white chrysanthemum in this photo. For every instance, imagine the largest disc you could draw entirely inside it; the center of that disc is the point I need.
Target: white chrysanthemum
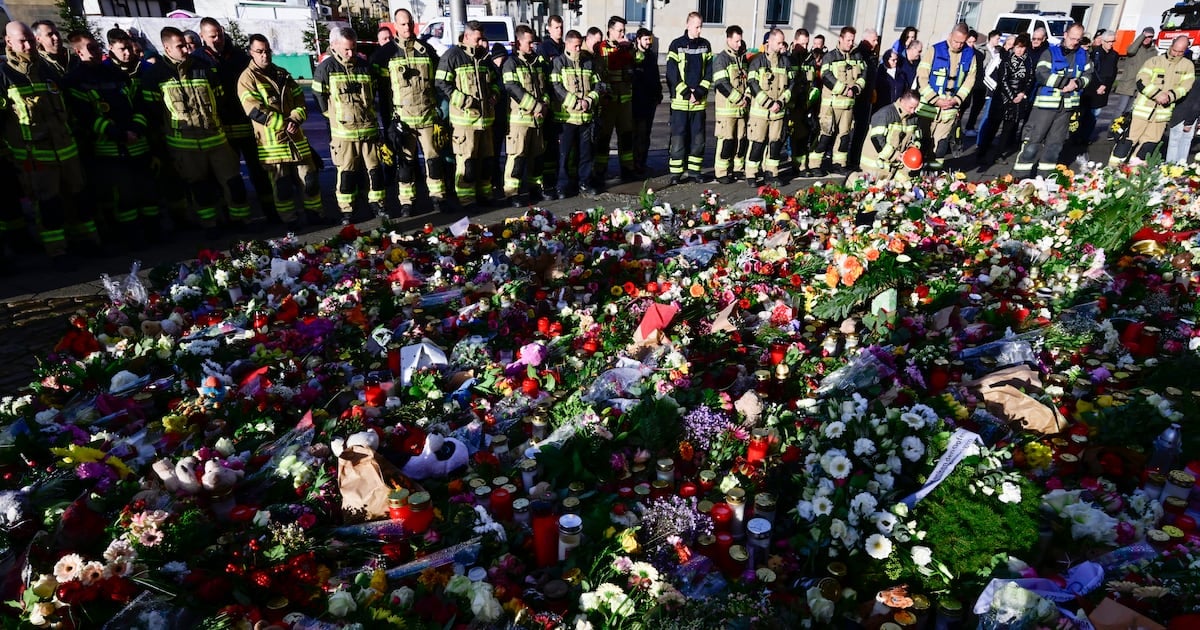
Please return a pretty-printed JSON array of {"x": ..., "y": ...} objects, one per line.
[
  {"x": 67, "y": 568},
  {"x": 1010, "y": 492},
  {"x": 822, "y": 506},
  {"x": 885, "y": 521},
  {"x": 804, "y": 509},
  {"x": 921, "y": 555},
  {"x": 879, "y": 546},
  {"x": 864, "y": 447},
  {"x": 913, "y": 448},
  {"x": 914, "y": 421},
  {"x": 644, "y": 570},
  {"x": 835, "y": 429},
  {"x": 864, "y": 503},
  {"x": 839, "y": 467}
]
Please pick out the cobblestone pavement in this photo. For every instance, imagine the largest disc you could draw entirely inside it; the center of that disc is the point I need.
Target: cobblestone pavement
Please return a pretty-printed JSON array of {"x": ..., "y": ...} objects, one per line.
[{"x": 35, "y": 301}]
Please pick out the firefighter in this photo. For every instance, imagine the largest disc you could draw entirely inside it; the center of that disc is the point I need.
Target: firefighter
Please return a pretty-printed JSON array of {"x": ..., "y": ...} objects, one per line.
[
  {"x": 689, "y": 76},
  {"x": 51, "y": 174},
  {"x": 194, "y": 134},
  {"x": 230, "y": 61},
  {"x": 274, "y": 103},
  {"x": 528, "y": 89},
  {"x": 614, "y": 64},
  {"x": 732, "y": 99},
  {"x": 345, "y": 93},
  {"x": 945, "y": 79},
  {"x": 843, "y": 78},
  {"x": 806, "y": 95},
  {"x": 52, "y": 48},
  {"x": 467, "y": 78},
  {"x": 409, "y": 76},
  {"x": 1162, "y": 82},
  {"x": 573, "y": 78},
  {"x": 1061, "y": 73},
  {"x": 894, "y": 129},
  {"x": 770, "y": 88},
  {"x": 113, "y": 121}
]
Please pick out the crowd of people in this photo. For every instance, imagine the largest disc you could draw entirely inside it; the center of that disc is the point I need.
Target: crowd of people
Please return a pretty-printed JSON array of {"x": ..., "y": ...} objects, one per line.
[{"x": 97, "y": 142}]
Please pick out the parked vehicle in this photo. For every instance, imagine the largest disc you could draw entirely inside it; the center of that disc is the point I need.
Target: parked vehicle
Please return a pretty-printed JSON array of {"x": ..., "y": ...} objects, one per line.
[{"x": 1013, "y": 24}]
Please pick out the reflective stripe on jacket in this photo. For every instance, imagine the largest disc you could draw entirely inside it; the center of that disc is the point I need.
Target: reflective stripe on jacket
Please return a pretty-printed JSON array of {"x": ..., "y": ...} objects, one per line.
[
  {"x": 729, "y": 80},
  {"x": 271, "y": 97},
  {"x": 573, "y": 78},
  {"x": 468, "y": 80},
  {"x": 1054, "y": 71},
  {"x": 890, "y": 135},
  {"x": 938, "y": 76},
  {"x": 839, "y": 72},
  {"x": 410, "y": 74},
  {"x": 345, "y": 93},
  {"x": 689, "y": 73},
  {"x": 1162, "y": 74},
  {"x": 190, "y": 92},
  {"x": 37, "y": 125},
  {"x": 770, "y": 81},
  {"x": 526, "y": 87}
]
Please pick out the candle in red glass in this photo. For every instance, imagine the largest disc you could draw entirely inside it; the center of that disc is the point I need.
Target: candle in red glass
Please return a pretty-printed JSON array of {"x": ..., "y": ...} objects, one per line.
[
  {"x": 374, "y": 395},
  {"x": 1132, "y": 333},
  {"x": 721, "y": 515},
  {"x": 756, "y": 450},
  {"x": 778, "y": 353},
  {"x": 720, "y": 551},
  {"x": 501, "y": 502},
  {"x": 393, "y": 358},
  {"x": 688, "y": 490},
  {"x": 545, "y": 535},
  {"x": 420, "y": 515},
  {"x": 1148, "y": 343},
  {"x": 939, "y": 377},
  {"x": 543, "y": 325}
]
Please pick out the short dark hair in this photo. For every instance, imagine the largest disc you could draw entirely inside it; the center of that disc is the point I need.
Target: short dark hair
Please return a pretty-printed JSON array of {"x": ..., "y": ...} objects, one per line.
[
  {"x": 474, "y": 26},
  {"x": 909, "y": 94},
  {"x": 115, "y": 35},
  {"x": 75, "y": 37},
  {"x": 733, "y": 30},
  {"x": 257, "y": 37},
  {"x": 615, "y": 20},
  {"x": 644, "y": 32},
  {"x": 554, "y": 18},
  {"x": 1023, "y": 39},
  {"x": 799, "y": 32},
  {"x": 40, "y": 23},
  {"x": 847, "y": 29},
  {"x": 169, "y": 32},
  {"x": 521, "y": 30},
  {"x": 572, "y": 34},
  {"x": 209, "y": 21},
  {"x": 384, "y": 27},
  {"x": 994, "y": 33},
  {"x": 595, "y": 30}
]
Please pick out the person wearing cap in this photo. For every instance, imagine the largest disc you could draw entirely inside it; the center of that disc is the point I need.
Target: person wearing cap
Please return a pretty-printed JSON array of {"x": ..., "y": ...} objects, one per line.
[
  {"x": 614, "y": 64},
  {"x": 647, "y": 94},
  {"x": 1140, "y": 51},
  {"x": 1161, "y": 83}
]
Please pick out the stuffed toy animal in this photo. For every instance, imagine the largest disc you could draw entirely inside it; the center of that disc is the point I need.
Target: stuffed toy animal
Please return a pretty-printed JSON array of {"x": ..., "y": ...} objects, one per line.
[
  {"x": 362, "y": 438},
  {"x": 217, "y": 478},
  {"x": 179, "y": 478},
  {"x": 439, "y": 457}
]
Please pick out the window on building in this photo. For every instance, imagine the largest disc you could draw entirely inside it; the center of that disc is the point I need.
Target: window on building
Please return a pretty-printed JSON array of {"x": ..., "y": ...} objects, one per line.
[
  {"x": 779, "y": 11},
  {"x": 843, "y": 13},
  {"x": 1107, "y": 13},
  {"x": 908, "y": 13},
  {"x": 635, "y": 11},
  {"x": 968, "y": 11},
  {"x": 713, "y": 11},
  {"x": 1026, "y": 7}
]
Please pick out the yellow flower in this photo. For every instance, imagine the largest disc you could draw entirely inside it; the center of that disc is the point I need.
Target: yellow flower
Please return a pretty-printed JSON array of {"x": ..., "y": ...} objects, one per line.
[
  {"x": 616, "y": 290},
  {"x": 379, "y": 580},
  {"x": 506, "y": 234},
  {"x": 76, "y": 454},
  {"x": 579, "y": 258},
  {"x": 629, "y": 541},
  {"x": 1075, "y": 214},
  {"x": 174, "y": 423}
]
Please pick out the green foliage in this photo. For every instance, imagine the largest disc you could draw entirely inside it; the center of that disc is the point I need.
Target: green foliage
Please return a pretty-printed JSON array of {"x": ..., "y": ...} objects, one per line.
[
  {"x": 971, "y": 532},
  {"x": 69, "y": 21},
  {"x": 310, "y": 38},
  {"x": 1117, "y": 218},
  {"x": 233, "y": 32},
  {"x": 653, "y": 424},
  {"x": 884, "y": 273}
]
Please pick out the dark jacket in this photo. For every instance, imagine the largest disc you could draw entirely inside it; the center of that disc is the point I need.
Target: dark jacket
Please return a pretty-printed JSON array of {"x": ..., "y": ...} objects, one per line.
[
  {"x": 1187, "y": 111},
  {"x": 229, "y": 64},
  {"x": 647, "y": 85},
  {"x": 906, "y": 72},
  {"x": 549, "y": 49},
  {"x": 1104, "y": 65},
  {"x": 888, "y": 88},
  {"x": 689, "y": 71},
  {"x": 1013, "y": 77}
]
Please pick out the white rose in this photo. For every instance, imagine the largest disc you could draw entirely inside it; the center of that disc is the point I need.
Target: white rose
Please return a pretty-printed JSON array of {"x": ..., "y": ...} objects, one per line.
[
  {"x": 341, "y": 603},
  {"x": 922, "y": 556},
  {"x": 484, "y": 605}
]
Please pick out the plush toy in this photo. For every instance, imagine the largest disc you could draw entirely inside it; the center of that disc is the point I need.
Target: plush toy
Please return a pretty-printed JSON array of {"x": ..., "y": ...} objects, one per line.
[
  {"x": 362, "y": 438},
  {"x": 439, "y": 458},
  {"x": 217, "y": 478},
  {"x": 181, "y": 477}
]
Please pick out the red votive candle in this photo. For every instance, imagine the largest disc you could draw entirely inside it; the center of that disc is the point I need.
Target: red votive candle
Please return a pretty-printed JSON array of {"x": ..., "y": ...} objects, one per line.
[
  {"x": 502, "y": 504},
  {"x": 545, "y": 535},
  {"x": 721, "y": 515}
]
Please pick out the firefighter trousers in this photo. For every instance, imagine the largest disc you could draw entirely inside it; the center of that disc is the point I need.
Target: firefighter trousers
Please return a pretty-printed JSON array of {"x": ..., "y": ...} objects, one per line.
[
  {"x": 122, "y": 190},
  {"x": 55, "y": 188},
  {"x": 347, "y": 156},
  {"x": 1045, "y": 132},
  {"x": 936, "y": 134},
  {"x": 523, "y": 167},
  {"x": 198, "y": 168},
  {"x": 836, "y": 123},
  {"x": 730, "y": 132},
  {"x": 260, "y": 176},
  {"x": 407, "y": 167},
  {"x": 295, "y": 179},
  {"x": 614, "y": 116},
  {"x": 473, "y": 158},
  {"x": 1143, "y": 139},
  {"x": 800, "y": 137},
  {"x": 687, "y": 142},
  {"x": 766, "y": 146}
]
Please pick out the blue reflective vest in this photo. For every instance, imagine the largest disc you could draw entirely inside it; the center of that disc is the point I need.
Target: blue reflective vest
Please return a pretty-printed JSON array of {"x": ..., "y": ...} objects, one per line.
[
  {"x": 939, "y": 70},
  {"x": 1050, "y": 97}
]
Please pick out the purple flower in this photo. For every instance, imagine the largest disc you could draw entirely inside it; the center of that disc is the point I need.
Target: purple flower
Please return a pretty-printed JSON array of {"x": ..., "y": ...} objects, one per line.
[
  {"x": 703, "y": 427},
  {"x": 102, "y": 473}
]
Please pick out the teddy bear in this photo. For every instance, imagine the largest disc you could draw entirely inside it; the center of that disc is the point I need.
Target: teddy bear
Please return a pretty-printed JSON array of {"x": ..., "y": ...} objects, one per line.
[
  {"x": 370, "y": 439},
  {"x": 178, "y": 478}
]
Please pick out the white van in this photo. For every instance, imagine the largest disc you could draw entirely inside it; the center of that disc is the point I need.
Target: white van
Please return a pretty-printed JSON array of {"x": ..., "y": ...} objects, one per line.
[
  {"x": 497, "y": 29},
  {"x": 1013, "y": 24}
]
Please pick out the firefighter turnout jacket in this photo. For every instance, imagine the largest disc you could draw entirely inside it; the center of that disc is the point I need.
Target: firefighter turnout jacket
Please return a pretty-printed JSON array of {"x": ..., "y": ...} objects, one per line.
[{"x": 271, "y": 98}]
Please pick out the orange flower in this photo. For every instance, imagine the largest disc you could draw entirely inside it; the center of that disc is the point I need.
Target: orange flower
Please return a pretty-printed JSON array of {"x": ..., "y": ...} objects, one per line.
[
  {"x": 896, "y": 245},
  {"x": 697, "y": 290},
  {"x": 872, "y": 254},
  {"x": 686, "y": 451},
  {"x": 831, "y": 276},
  {"x": 851, "y": 270}
]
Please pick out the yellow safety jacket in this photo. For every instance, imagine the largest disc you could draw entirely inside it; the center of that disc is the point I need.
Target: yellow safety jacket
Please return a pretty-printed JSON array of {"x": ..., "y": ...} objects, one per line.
[
  {"x": 527, "y": 87},
  {"x": 190, "y": 93},
  {"x": 771, "y": 81},
  {"x": 271, "y": 98},
  {"x": 839, "y": 71},
  {"x": 1158, "y": 75},
  {"x": 467, "y": 78},
  {"x": 33, "y": 112},
  {"x": 574, "y": 79},
  {"x": 410, "y": 75},
  {"x": 345, "y": 93},
  {"x": 890, "y": 135},
  {"x": 729, "y": 80}
]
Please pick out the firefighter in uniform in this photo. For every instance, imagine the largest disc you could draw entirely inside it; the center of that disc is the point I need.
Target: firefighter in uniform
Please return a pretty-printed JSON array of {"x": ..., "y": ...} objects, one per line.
[
  {"x": 729, "y": 81},
  {"x": 344, "y": 90},
  {"x": 689, "y": 75},
  {"x": 614, "y": 64},
  {"x": 112, "y": 120},
  {"x": 945, "y": 78},
  {"x": 770, "y": 84},
  {"x": 1061, "y": 73},
  {"x": 34, "y": 125},
  {"x": 528, "y": 89},
  {"x": 1162, "y": 82},
  {"x": 275, "y": 105},
  {"x": 193, "y": 132},
  {"x": 408, "y": 82},
  {"x": 573, "y": 78},
  {"x": 466, "y": 77},
  {"x": 843, "y": 79},
  {"x": 894, "y": 130},
  {"x": 52, "y": 48},
  {"x": 806, "y": 94}
]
